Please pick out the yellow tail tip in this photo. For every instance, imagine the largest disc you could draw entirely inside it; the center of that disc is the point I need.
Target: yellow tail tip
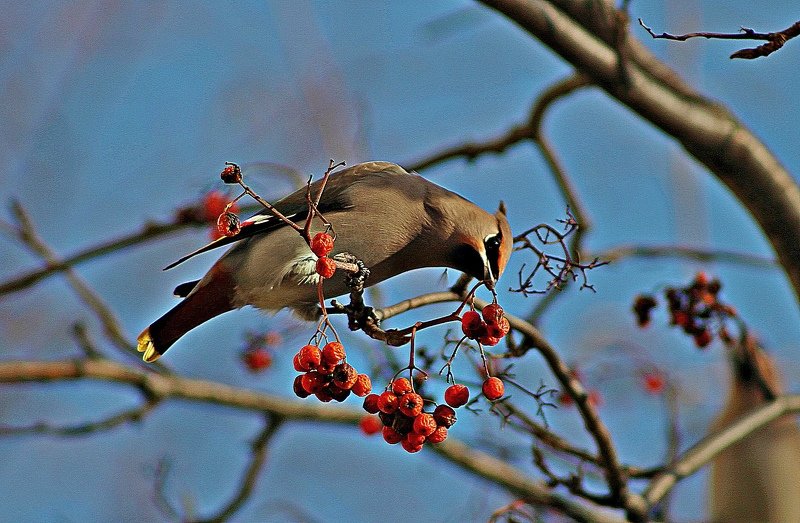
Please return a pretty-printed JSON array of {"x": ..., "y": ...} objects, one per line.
[{"x": 144, "y": 343}]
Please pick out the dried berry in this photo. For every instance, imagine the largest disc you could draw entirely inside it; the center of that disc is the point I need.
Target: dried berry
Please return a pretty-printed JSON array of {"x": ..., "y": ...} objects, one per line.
[
  {"x": 321, "y": 244},
  {"x": 362, "y": 386},
  {"x": 370, "y": 425},
  {"x": 456, "y": 395},
  {"x": 402, "y": 423},
  {"x": 333, "y": 353},
  {"x": 438, "y": 436},
  {"x": 388, "y": 402},
  {"x": 323, "y": 395},
  {"x": 312, "y": 382},
  {"x": 410, "y": 447},
  {"x": 415, "y": 439},
  {"x": 410, "y": 404},
  {"x": 444, "y": 415},
  {"x": 345, "y": 376},
  {"x": 472, "y": 324},
  {"x": 228, "y": 224},
  {"x": 232, "y": 173},
  {"x": 493, "y": 388},
  {"x": 371, "y": 403},
  {"x": 400, "y": 386},
  {"x": 499, "y": 329},
  {"x": 309, "y": 358},
  {"x": 326, "y": 267},
  {"x": 424, "y": 424},
  {"x": 488, "y": 340},
  {"x": 492, "y": 313}
]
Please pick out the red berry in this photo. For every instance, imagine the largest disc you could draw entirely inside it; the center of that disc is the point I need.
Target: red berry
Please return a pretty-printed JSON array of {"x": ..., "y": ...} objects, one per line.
[
  {"x": 565, "y": 399},
  {"x": 370, "y": 425},
  {"x": 456, "y": 395},
  {"x": 391, "y": 436},
  {"x": 410, "y": 447},
  {"x": 214, "y": 203},
  {"x": 371, "y": 403},
  {"x": 653, "y": 382},
  {"x": 308, "y": 358},
  {"x": 297, "y": 386},
  {"x": 388, "y": 402},
  {"x": 312, "y": 382},
  {"x": 444, "y": 415},
  {"x": 493, "y": 388},
  {"x": 595, "y": 399},
  {"x": 323, "y": 395},
  {"x": 337, "y": 393},
  {"x": 400, "y": 386},
  {"x": 231, "y": 173},
  {"x": 488, "y": 340},
  {"x": 362, "y": 386},
  {"x": 228, "y": 224},
  {"x": 492, "y": 313},
  {"x": 702, "y": 338},
  {"x": 333, "y": 353},
  {"x": 257, "y": 359},
  {"x": 499, "y": 329},
  {"x": 642, "y": 307},
  {"x": 424, "y": 424},
  {"x": 326, "y": 267},
  {"x": 471, "y": 324},
  {"x": 345, "y": 376},
  {"x": 701, "y": 279},
  {"x": 438, "y": 436},
  {"x": 322, "y": 244},
  {"x": 326, "y": 369},
  {"x": 410, "y": 404},
  {"x": 415, "y": 439}
]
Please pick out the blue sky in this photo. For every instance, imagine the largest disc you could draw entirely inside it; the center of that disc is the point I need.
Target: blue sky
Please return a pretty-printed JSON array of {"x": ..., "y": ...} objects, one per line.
[{"x": 115, "y": 113}]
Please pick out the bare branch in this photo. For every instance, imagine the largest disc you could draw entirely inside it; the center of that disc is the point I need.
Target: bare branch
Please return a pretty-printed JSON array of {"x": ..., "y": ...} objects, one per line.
[
  {"x": 774, "y": 40},
  {"x": 248, "y": 481}
]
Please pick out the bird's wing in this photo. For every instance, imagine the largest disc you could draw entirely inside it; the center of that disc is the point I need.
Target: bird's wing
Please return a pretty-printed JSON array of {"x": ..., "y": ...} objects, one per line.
[{"x": 295, "y": 207}]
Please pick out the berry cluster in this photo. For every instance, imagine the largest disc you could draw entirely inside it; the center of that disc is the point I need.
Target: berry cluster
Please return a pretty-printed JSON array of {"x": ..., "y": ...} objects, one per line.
[
  {"x": 322, "y": 245},
  {"x": 400, "y": 412},
  {"x": 695, "y": 309},
  {"x": 327, "y": 375},
  {"x": 488, "y": 328},
  {"x": 401, "y": 417}
]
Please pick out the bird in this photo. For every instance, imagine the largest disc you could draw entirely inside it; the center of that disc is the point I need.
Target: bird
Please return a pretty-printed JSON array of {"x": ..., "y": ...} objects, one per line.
[
  {"x": 757, "y": 478},
  {"x": 391, "y": 220}
]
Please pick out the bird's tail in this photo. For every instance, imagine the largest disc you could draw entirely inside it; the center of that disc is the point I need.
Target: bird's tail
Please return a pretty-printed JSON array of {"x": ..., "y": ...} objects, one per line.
[{"x": 209, "y": 299}]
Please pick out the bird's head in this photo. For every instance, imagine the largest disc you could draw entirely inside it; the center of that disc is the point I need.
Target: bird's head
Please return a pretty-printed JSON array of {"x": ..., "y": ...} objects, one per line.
[{"x": 483, "y": 244}]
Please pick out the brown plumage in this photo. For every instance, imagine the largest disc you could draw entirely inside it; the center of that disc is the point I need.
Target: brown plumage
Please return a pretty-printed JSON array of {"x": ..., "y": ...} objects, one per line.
[
  {"x": 758, "y": 478},
  {"x": 391, "y": 220}
]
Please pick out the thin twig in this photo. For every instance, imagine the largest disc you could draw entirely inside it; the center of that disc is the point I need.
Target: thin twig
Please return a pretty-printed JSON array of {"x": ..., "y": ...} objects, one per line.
[
  {"x": 111, "y": 325},
  {"x": 247, "y": 484},
  {"x": 774, "y": 40}
]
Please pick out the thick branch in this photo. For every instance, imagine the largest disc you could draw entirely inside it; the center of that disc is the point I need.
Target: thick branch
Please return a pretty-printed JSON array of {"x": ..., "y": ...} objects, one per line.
[{"x": 707, "y": 130}]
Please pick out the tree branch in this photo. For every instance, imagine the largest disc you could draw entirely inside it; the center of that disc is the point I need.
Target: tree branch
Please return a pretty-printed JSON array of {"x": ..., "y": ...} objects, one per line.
[{"x": 706, "y": 130}]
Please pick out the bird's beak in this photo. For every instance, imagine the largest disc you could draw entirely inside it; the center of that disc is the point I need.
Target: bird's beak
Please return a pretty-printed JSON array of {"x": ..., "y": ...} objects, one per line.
[{"x": 488, "y": 278}]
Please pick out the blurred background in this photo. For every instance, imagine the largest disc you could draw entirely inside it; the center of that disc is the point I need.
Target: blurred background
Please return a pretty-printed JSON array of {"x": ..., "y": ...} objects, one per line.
[{"x": 116, "y": 113}]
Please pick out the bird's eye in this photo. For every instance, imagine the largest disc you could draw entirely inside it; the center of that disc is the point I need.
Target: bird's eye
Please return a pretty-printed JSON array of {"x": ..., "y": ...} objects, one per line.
[{"x": 492, "y": 242}]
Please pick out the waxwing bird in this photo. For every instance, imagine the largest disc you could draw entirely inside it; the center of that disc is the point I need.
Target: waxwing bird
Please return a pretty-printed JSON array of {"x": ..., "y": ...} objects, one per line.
[
  {"x": 391, "y": 220},
  {"x": 757, "y": 478}
]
